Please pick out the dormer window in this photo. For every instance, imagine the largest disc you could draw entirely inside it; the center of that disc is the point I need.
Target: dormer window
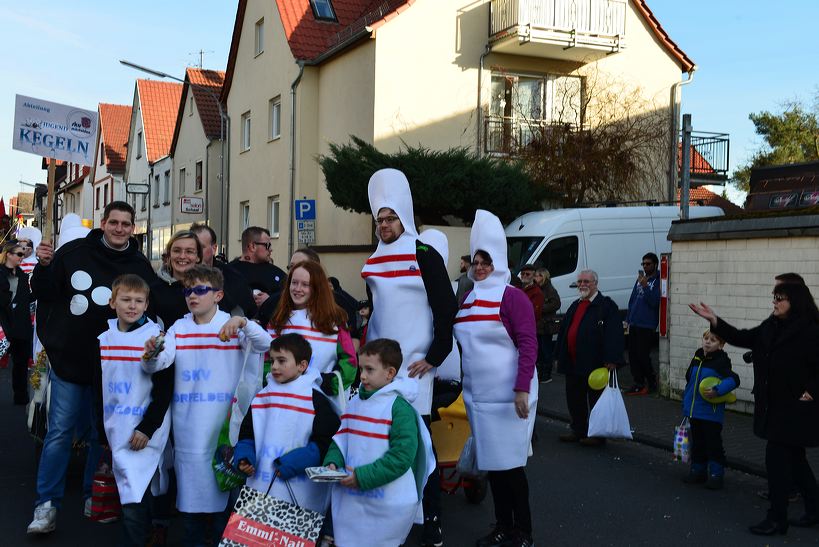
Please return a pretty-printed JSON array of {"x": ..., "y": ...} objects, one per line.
[{"x": 323, "y": 10}]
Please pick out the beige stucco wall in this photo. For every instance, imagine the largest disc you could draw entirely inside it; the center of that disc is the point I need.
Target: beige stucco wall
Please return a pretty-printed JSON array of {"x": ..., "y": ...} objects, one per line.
[
  {"x": 191, "y": 147},
  {"x": 735, "y": 278}
]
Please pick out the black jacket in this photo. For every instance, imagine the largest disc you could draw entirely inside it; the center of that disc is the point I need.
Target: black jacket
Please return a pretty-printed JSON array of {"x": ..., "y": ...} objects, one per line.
[
  {"x": 15, "y": 315},
  {"x": 237, "y": 290},
  {"x": 75, "y": 289},
  {"x": 786, "y": 364},
  {"x": 264, "y": 276},
  {"x": 599, "y": 337}
]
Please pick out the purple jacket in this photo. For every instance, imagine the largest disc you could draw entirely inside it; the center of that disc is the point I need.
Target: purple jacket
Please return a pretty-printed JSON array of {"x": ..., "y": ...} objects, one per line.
[{"x": 518, "y": 317}]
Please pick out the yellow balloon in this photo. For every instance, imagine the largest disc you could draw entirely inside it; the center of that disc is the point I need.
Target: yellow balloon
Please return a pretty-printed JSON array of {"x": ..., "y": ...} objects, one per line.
[
  {"x": 599, "y": 378},
  {"x": 713, "y": 381}
]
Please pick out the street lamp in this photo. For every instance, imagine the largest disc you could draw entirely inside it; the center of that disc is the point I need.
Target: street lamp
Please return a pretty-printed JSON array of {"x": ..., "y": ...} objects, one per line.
[{"x": 224, "y": 120}]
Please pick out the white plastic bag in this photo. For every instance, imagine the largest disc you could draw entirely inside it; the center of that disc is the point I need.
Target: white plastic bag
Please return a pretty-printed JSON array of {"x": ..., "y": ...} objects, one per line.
[
  {"x": 608, "y": 417},
  {"x": 468, "y": 461}
]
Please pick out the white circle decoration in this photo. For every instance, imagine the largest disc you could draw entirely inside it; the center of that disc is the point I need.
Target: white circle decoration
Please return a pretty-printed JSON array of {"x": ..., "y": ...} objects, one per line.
[
  {"x": 101, "y": 296},
  {"x": 80, "y": 280},
  {"x": 78, "y": 305}
]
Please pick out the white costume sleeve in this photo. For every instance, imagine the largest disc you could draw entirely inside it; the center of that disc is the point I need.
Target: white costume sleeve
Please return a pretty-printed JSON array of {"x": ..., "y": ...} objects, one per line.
[{"x": 254, "y": 338}]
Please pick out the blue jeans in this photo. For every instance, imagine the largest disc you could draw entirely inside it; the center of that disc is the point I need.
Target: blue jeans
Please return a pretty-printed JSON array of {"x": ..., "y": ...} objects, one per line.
[{"x": 71, "y": 406}]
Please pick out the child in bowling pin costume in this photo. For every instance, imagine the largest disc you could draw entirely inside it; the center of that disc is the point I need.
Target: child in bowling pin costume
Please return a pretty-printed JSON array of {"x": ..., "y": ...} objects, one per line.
[{"x": 136, "y": 396}]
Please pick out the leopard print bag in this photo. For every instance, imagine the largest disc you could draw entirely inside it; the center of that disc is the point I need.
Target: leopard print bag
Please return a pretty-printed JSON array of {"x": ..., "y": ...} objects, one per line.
[{"x": 260, "y": 520}]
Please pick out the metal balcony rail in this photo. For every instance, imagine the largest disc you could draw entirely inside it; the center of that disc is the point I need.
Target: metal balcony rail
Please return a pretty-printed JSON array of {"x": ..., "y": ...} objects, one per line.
[
  {"x": 592, "y": 17},
  {"x": 508, "y": 135},
  {"x": 709, "y": 156}
]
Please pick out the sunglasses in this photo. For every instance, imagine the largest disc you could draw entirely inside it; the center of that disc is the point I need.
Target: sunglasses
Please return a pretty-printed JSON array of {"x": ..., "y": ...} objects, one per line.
[
  {"x": 265, "y": 245},
  {"x": 199, "y": 290},
  {"x": 779, "y": 297},
  {"x": 21, "y": 255}
]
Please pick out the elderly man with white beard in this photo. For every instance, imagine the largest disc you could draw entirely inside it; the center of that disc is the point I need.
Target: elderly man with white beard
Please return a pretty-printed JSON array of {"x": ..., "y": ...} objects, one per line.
[{"x": 591, "y": 336}]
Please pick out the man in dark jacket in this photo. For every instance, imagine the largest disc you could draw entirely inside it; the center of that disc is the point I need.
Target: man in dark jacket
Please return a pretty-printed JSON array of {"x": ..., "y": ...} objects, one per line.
[
  {"x": 74, "y": 283},
  {"x": 591, "y": 336},
  {"x": 643, "y": 316},
  {"x": 255, "y": 264}
]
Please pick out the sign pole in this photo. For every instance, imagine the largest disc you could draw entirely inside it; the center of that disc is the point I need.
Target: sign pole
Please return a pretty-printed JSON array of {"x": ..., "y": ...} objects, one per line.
[{"x": 50, "y": 217}]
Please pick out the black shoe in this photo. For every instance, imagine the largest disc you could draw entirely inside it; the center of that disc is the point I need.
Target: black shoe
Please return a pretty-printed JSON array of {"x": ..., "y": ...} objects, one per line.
[
  {"x": 432, "y": 536},
  {"x": 546, "y": 379},
  {"x": 805, "y": 521},
  {"x": 522, "y": 540},
  {"x": 499, "y": 537},
  {"x": 769, "y": 528}
]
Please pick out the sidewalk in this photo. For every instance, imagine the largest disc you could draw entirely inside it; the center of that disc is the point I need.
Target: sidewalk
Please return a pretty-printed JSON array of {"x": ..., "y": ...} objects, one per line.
[{"x": 653, "y": 419}]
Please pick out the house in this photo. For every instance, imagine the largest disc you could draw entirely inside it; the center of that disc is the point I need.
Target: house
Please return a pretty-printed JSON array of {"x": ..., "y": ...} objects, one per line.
[
  {"x": 108, "y": 172},
  {"x": 22, "y": 206},
  {"x": 303, "y": 74},
  {"x": 73, "y": 191},
  {"x": 704, "y": 196},
  {"x": 197, "y": 152},
  {"x": 148, "y": 162}
]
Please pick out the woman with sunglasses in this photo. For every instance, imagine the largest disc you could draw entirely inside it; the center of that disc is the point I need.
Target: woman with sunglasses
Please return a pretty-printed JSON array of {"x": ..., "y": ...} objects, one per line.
[
  {"x": 15, "y": 316},
  {"x": 786, "y": 397},
  {"x": 182, "y": 253},
  {"x": 308, "y": 308},
  {"x": 496, "y": 329}
]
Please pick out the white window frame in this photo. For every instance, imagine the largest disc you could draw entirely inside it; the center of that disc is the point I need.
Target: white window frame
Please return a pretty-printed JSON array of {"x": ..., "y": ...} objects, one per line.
[
  {"x": 244, "y": 127},
  {"x": 258, "y": 38},
  {"x": 275, "y": 118},
  {"x": 274, "y": 215},
  {"x": 181, "y": 181},
  {"x": 244, "y": 215}
]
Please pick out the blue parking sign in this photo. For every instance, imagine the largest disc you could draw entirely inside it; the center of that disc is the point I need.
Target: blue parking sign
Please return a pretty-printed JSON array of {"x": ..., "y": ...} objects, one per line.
[{"x": 305, "y": 209}]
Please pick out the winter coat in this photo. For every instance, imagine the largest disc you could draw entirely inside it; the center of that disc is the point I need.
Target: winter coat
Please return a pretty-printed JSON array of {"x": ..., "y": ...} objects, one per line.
[
  {"x": 716, "y": 364},
  {"x": 549, "y": 323},
  {"x": 786, "y": 364},
  {"x": 15, "y": 315},
  {"x": 599, "y": 338},
  {"x": 644, "y": 304}
]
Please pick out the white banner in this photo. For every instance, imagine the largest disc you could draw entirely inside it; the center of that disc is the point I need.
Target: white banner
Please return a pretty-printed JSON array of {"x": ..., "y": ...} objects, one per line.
[{"x": 52, "y": 130}]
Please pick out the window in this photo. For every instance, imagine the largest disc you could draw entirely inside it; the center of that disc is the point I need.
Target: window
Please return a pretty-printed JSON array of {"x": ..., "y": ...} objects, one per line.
[
  {"x": 198, "y": 182},
  {"x": 167, "y": 195},
  {"x": 156, "y": 191},
  {"x": 323, "y": 9},
  {"x": 560, "y": 256},
  {"x": 273, "y": 220},
  {"x": 245, "y": 128},
  {"x": 190, "y": 106},
  {"x": 259, "y": 40},
  {"x": 182, "y": 182},
  {"x": 102, "y": 153},
  {"x": 139, "y": 145},
  {"x": 144, "y": 202},
  {"x": 105, "y": 200},
  {"x": 275, "y": 118},
  {"x": 519, "y": 250},
  {"x": 97, "y": 199},
  {"x": 244, "y": 214}
]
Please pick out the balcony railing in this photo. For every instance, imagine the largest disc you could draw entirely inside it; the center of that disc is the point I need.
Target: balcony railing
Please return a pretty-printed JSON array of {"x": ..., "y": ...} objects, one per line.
[
  {"x": 507, "y": 135},
  {"x": 709, "y": 157}
]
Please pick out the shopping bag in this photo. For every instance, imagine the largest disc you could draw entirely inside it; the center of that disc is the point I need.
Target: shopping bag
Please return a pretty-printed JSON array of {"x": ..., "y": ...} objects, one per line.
[
  {"x": 609, "y": 418},
  {"x": 682, "y": 441},
  {"x": 40, "y": 382},
  {"x": 105, "y": 505},
  {"x": 259, "y": 520},
  {"x": 467, "y": 465}
]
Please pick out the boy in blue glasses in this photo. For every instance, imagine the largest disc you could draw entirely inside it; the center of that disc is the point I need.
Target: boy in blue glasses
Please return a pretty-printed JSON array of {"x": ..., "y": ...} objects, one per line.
[{"x": 212, "y": 352}]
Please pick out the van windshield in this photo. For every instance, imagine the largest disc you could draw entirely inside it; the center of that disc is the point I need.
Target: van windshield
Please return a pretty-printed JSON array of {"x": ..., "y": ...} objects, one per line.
[{"x": 520, "y": 249}]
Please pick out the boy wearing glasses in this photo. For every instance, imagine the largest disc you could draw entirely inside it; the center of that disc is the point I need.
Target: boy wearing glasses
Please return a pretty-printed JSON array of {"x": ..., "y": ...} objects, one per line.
[{"x": 209, "y": 349}]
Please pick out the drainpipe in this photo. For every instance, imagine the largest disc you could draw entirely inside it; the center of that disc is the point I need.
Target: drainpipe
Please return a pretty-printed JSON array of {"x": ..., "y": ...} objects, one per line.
[
  {"x": 675, "y": 119},
  {"x": 480, "y": 106},
  {"x": 293, "y": 87}
]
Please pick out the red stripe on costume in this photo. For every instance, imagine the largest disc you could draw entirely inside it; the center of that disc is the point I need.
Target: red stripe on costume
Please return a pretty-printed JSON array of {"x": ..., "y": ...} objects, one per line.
[
  {"x": 390, "y": 258},
  {"x": 365, "y": 419},
  {"x": 481, "y": 304},
  {"x": 122, "y": 348},
  {"x": 208, "y": 346},
  {"x": 285, "y": 407},
  {"x": 119, "y": 358},
  {"x": 362, "y": 433},
  {"x": 470, "y": 318},
  {"x": 394, "y": 273},
  {"x": 302, "y": 327},
  {"x": 291, "y": 395},
  {"x": 202, "y": 335}
]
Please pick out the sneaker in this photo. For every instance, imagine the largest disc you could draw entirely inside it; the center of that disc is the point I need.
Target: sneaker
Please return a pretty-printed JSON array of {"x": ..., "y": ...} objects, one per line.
[
  {"x": 637, "y": 390},
  {"x": 86, "y": 512},
  {"x": 499, "y": 537},
  {"x": 522, "y": 540},
  {"x": 546, "y": 379},
  {"x": 45, "y": 519},
  {"x": 432, "y": 536}
]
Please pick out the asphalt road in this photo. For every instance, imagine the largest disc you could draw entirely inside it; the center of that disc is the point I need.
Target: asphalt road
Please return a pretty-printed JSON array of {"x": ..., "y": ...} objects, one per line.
[{"x": 623, "y": 494}]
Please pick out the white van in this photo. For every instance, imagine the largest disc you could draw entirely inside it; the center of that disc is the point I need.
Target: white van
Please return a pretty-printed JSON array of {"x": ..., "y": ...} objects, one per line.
[{"x": 609, "y": 240}]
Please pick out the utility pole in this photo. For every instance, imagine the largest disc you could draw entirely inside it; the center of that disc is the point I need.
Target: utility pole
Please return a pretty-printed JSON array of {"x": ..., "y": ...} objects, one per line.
[{"x": 685, "y": 182}]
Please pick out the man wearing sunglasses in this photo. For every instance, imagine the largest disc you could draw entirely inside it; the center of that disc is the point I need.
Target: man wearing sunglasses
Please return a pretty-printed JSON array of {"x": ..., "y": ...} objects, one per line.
[
  {"x": 642, "y": 319},
  {"x": 256, "y": 264}
]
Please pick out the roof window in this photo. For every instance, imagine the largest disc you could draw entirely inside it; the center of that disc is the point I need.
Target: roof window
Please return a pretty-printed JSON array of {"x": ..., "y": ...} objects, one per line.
[{"x": 323, "y": 10}]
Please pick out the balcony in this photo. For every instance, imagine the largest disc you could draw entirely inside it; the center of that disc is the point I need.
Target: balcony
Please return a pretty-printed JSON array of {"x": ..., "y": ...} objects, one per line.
[
  {"x": 574, "y": 30},
  {"x": 505, "y": 135},
  {"x": 709, "y": 158}
]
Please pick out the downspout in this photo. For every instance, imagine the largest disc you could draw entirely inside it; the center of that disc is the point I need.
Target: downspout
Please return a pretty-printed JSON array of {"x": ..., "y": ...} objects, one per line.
[
  {"x": 293, "y": 87},
  {"x": 675, "y": 119},
  {"x": 480, "y": 106}
]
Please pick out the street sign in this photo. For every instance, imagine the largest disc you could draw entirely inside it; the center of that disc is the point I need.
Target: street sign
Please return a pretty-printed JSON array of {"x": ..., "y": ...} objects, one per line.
[
  {"x": 191, "y": 205},
  {"x": 53, "y": 130},
  {"x": 138, "y": 188},
  {"x": 306, "y": 225},
  {"x": 305, "y": 209},
  {"x": 307, "y": 236}
]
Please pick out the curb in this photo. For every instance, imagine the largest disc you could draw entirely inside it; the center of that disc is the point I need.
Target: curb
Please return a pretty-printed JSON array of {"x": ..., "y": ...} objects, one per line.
[{"x": 653, "y": 442}]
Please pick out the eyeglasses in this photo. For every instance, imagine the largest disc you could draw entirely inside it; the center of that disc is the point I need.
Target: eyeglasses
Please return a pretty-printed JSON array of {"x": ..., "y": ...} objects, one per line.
[
  {"x": 585, "y": 281},
  {"x": 477, "y": 264},
  {"x": 386, "y": 220},
  {"x": 527, "y": 273},
  {"x": 199, "y": 290},
  {"x": 780, "y": 298},
  {"x": 21, "y": 255},
  {"x": 266, "y": 245}
]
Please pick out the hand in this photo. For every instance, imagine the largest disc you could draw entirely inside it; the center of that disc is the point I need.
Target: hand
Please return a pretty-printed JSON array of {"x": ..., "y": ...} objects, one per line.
[
  {"x": 232, "y": 327},
  {"x": 806, "y": 397},
  {"x": 642, "y": 280},
  {"x": 45, "y": 253},
  {"x": 260, "y": 297},
  {"x": 246, "y": 468},
  {"x": 711, "y": 393},
  {"x": 610, "y": 366},
  {"x": 150, "y": 347},
  {"x": 139, "y": 440},
  {"x": 350, "y": 480},
  {"x": 705, "y": 312},
  {"x": 522, "y": 404},
  {"x": 419, "y": 368},
  {"x": 332, "y": 466}
]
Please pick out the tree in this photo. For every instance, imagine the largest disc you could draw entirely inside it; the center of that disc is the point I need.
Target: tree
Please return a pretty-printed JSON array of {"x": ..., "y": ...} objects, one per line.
[
  {"x": 791, "y": 136},
  {"x": 446, "y": 183},
  {"x": 599, "y": 140}
]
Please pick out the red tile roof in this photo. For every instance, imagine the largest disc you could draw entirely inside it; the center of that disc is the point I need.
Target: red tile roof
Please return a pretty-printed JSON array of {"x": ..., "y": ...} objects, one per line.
[
  {"x": 115, "y": 121},
  {"x": 206, "y": 104},
  {"x": 159, "y": 102},
  {"x": 703, "y": 196},
  {"x": 685, "y": 62},
  {"x": 699, "y": 165}
]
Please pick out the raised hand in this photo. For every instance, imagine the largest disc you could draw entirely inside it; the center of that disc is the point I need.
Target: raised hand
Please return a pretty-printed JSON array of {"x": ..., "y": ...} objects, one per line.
[{"x": 704, "y": 311}]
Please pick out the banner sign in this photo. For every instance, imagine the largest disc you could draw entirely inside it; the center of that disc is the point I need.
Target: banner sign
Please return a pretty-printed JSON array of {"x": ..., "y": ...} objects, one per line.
[{"x": 52, "y": 130}]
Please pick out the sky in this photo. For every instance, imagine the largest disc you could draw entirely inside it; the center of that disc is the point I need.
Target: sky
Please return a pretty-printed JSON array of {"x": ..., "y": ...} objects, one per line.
[{"x": 751, "y": 55}]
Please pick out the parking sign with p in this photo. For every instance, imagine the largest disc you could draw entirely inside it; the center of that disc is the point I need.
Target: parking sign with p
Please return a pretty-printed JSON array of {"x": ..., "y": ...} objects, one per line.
[{"x": 305, "y": 209}]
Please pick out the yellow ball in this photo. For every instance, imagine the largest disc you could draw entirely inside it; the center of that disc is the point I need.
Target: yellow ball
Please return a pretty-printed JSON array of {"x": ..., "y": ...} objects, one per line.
[
  {"x": 599, "y": 378},
  {"x": 713, "y": 381}
]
